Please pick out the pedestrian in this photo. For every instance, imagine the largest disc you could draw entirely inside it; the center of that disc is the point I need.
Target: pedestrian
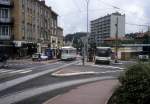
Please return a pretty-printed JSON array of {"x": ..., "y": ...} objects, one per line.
[{"x": 4, "y": 59}]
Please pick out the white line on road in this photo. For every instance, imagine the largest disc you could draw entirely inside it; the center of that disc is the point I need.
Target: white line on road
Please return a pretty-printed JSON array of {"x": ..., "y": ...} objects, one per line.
[
  {"x": 84, "y": 73},
  {"x": 40, "y": 66},
  {"x": 19, "y": 96},
  {"x": 20, "y": 80},
  {"x": 20, "y": 71},
  {"x": 105, "y": 66},
  {"x": 4, "y": 70},
  {"x": 105, "y": 72},
  {"x": 12, "y": 71},
  {"x": 26, "y": 71}
]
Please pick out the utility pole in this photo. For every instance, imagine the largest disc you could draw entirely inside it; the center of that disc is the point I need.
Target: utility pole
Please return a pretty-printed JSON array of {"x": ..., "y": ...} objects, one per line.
[
  {"x": 83, "y": 51},
  {"x": 87, "y": 37},
  {"x": 86, "y": 40},
  {"x": 116, "y": 43},
  {"x": 148, "y": 30}
]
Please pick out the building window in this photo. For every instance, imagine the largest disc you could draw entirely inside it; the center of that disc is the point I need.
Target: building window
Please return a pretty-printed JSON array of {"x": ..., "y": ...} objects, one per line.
[
  {"x": 4, "y": 30},
  {"x": 4, "y": 13}
]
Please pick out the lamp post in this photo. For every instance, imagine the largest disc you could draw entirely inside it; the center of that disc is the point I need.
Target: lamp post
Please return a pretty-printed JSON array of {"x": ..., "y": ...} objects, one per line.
[
  {"x": 87, "y": 27},
  {"x": 116, "y": 43},
  {"x": 87, "y": 1}
]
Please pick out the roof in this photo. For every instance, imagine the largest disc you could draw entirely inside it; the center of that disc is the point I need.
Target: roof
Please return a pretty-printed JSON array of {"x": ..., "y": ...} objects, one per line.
[
  {"x": 103, "y": 47},
  {"x": 67, "y": 47}
]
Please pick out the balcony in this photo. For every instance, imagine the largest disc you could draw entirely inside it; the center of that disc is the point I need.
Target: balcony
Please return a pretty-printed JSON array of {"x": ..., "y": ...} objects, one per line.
[
  {"x": 6, "y": 3},
  {"x": 7, "y": 21},
  {"x": 5, "y": 37}
]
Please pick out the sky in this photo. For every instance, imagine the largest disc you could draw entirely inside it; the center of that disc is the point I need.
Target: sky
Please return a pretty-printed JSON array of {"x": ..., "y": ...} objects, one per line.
[{"x": 72, "y": 13}]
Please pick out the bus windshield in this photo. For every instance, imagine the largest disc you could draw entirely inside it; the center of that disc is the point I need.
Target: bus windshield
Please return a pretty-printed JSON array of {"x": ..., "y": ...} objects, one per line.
[
  {"x": 103, "y": 52},
  {"x": 65, "y": 51}
]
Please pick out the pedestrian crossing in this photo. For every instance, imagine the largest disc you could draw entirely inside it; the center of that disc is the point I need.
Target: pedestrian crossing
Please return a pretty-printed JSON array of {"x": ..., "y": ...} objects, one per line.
[
  {"x": 20, "y": 64},
  {"x": 13, "y": 71},
  {"x": 101, "y": 66}
]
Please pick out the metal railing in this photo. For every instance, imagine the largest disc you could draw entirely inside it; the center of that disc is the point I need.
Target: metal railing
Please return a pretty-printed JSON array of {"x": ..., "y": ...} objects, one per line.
[
  {"x": 5, "y": 37},
  {"x": 4, "y": 2},
  {"x": 6, "y": 20}
]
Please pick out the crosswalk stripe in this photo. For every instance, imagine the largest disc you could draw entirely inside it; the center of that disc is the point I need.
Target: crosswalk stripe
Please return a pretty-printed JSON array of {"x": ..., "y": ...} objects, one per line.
[
  {"x": 105, "y": 66},
  {"x": 26, "y": 71},
  {"x": 3, "y": 70},
  {"x": 102, "y": 66},
  {"x": 14, "y": 71},
  {"x": 17, "y": 71},
  {"x": 21, "y": 64}
]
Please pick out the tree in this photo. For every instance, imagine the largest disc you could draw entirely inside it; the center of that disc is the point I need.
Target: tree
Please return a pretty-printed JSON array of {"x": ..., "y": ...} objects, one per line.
[{"x": 146, "y": 40}]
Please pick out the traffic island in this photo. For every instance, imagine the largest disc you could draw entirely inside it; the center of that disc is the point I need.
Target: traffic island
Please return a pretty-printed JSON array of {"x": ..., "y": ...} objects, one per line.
[
  {"x": 62, "y": 73},
  {"x": 73, "y": 71}
]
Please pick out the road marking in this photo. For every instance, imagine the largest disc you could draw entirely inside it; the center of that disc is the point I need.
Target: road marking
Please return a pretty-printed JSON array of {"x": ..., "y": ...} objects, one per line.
[
  {"x": 23, "y": 79},
  {"x": 26, "y": 71},
  {"x": 14, "y": 71},
  {"x": 104, "y": 72},
  {"x": 17, "y": 71},
  {"x": 105, "y": 66},
  {"x": 20, "y": 64},
  {"x": 4, "y": 70},
  {"x": 41, "y": 66},
  {"x": 25, "y": 94},
  {"x": 10, "y": 64},
  {"x": 101, "y": 66},
  {"x": 57, "y": 74},
  {"x": 21, "y": 71}
]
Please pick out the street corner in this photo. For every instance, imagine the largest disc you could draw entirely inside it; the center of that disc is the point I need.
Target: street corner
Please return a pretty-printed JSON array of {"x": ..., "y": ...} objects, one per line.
[{"x": 71, "y": 72}]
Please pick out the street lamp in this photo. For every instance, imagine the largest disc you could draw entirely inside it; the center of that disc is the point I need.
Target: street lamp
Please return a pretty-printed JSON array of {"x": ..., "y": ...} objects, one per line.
[
  {"x": 87, "y": 1},
  {"x": 116, "y": 43},
  {"x": 87, "y": 4}
]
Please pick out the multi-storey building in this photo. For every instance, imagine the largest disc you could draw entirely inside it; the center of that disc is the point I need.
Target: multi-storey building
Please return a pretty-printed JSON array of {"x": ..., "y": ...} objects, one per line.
[
  {"x": 60, "y": 37},
  {"x": 105, "y": 27},
  {"x": 29, "y": 23},
  {"x": 6, "y": 21}
]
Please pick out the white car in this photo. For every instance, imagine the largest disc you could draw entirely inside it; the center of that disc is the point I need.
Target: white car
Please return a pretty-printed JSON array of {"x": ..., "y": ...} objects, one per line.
[
  {"x": 39, "y": 57},
  {"x": 143, "y": 57},
  {"x": 44, "y": 57}
]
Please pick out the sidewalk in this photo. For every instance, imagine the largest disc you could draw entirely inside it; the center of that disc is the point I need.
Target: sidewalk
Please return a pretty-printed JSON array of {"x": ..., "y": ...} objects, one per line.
[{"x": 93, "y": 93}]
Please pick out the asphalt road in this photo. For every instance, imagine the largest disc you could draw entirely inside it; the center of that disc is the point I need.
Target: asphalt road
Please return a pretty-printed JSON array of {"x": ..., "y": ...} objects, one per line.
[
  {"x": 16, "y": 70},
  {"x": 42, "y": 85}
]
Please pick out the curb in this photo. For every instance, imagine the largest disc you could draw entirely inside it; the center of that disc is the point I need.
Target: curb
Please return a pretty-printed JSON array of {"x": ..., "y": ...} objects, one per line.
[
  {"x": 53, "y": 61},
  {"x": 56, "y": 74},
  {"x": 73, "y": 74},
  {"x": 48, "y": 62},
  {"x": 106, "y": 102}
]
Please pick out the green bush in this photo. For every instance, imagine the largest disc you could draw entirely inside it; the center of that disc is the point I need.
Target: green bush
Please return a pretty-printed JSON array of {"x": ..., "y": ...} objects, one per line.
[{"x": 135, "y": 86}]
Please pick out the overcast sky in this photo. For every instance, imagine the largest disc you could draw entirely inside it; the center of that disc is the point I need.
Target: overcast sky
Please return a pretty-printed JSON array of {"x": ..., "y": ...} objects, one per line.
[{"x": 72, "y": 13}]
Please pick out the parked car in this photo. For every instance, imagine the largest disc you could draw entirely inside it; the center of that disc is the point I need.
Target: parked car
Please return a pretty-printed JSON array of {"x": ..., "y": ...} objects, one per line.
[
  {"x": 39, "y": 57},
  {"x": 143, "y": 57},
  {"x": 36, "y": 57},
  {"x": 44, "y": 57}
]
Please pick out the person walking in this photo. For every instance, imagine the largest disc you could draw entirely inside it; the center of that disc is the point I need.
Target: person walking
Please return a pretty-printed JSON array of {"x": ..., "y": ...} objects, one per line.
[{"x": 3, "y": 60}]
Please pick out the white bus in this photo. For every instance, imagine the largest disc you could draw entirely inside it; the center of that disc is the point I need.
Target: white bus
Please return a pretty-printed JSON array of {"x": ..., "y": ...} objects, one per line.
[
  {"x": 68, "y": 53},
  {"x": 103, "y": 55}
]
